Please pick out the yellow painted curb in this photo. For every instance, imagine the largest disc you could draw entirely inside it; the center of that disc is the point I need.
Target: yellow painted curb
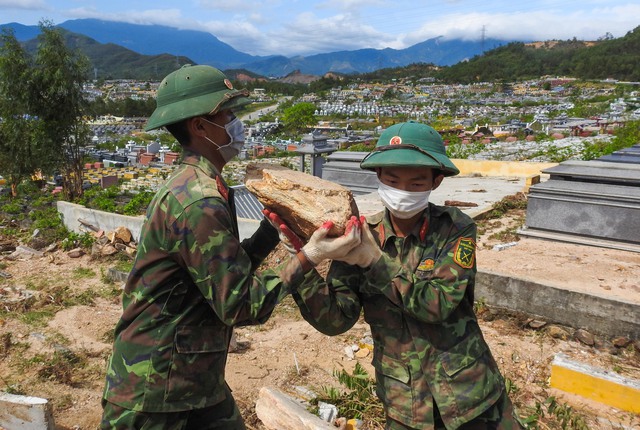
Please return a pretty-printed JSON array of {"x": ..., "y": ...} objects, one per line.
[
  {"x": 595, "y": 384},
  {"x": 521, "y": 169}
]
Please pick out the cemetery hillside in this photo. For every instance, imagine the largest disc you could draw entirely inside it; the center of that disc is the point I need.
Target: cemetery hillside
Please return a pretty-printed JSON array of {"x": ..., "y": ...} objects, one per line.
[{"x": 546, "y": 136}]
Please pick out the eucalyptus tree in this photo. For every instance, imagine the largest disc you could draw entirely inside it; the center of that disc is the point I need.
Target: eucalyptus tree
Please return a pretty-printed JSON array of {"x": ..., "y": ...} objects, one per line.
[
  {"x": 58, "y": 75},
  {"x": 19, "y": 155}
]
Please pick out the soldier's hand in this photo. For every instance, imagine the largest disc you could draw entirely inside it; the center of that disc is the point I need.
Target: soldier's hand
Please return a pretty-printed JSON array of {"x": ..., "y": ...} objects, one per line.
[
  {"x": 320, "y": 247},
  {"x": 288, "y": 238},
  {"x": 367, "y": 252}
]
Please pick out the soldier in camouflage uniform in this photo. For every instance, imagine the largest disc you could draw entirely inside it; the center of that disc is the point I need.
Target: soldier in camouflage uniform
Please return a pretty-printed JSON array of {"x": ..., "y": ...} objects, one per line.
[
  {"x": 193, "y": 280},
  {"x": 414, "y": 274}
]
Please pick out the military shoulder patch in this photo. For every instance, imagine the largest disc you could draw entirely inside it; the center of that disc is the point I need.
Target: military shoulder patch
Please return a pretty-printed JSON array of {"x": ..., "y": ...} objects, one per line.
[{"x": 464, "y": 253}]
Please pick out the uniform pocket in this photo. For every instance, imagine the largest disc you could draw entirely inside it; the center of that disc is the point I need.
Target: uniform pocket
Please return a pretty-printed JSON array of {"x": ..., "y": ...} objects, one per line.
[
  {"x": 468, "y": 381},
  {"x": 197, "y": 366},
  {"x": 393, "y": 387},
  {"x": 175, "y": 298},
  {"x": 463, "y": 355}
]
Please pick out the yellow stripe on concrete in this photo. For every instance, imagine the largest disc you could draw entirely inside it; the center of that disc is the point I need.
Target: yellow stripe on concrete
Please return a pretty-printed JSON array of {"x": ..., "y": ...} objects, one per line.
[
  {"x": 587, "y": 381},
  {"x": 519, "y": 169}
]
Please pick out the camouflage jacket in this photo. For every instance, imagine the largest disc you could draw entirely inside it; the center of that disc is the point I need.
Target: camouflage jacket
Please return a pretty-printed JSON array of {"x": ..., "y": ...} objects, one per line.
[
  {"x": 418, "y": 300},
  {"x": 191, "y": 282}
]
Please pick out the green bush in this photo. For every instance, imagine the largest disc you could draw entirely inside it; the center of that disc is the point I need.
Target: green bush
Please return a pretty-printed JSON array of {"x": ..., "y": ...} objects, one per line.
[
  {"x": 624, "y": 137},
  {"x": 12, "y": 208},
  {"x": 75, "y": 240},
  {"x": 138, "y": 203}
]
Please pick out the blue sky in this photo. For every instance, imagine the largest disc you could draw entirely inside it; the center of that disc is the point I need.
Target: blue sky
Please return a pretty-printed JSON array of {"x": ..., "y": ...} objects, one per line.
[{"x": 304, "y": 27}]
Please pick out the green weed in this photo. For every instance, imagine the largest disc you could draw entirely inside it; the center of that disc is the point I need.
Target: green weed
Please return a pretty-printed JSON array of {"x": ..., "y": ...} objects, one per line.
[
  {"x": 359, "y": 400},
  {"x": 550, "y": 410}
]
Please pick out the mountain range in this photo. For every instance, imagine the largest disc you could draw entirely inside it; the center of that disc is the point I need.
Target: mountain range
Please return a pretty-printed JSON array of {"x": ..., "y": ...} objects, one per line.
[{"x": 169, "y": 45}]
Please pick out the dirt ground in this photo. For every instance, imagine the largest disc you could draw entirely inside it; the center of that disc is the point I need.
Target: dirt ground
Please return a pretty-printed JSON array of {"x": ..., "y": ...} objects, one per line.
[{"x": 59, "y": 353}]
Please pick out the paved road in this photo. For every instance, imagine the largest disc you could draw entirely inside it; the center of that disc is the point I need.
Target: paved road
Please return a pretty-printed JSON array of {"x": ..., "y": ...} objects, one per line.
[{"x": 256, "y": 114}]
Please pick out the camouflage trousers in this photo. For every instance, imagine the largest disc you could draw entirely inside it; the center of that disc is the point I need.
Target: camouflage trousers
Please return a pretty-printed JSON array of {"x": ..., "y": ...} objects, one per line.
[
  {"x": 500, "y": 416},
  {"x": 223, "y": 416}
]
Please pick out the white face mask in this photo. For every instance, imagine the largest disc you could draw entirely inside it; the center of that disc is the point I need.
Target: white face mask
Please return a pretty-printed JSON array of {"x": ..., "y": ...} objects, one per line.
[
  {"x": 235, "y": 130},
  {"x": 403, "y": 204}
]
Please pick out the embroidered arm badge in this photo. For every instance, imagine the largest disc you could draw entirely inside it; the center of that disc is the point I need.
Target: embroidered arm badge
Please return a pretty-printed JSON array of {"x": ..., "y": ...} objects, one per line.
[{"x": 464, "y": 253}]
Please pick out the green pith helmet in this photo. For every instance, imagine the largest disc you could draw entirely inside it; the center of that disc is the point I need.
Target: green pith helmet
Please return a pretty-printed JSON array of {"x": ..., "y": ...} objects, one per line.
[
  {"x": 410, "y": 144},
  {"x": 191, "y": 91}
]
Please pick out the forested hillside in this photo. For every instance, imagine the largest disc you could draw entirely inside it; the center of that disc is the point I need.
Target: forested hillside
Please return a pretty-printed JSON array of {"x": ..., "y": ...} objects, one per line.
[{"x": 615, "y": 58}]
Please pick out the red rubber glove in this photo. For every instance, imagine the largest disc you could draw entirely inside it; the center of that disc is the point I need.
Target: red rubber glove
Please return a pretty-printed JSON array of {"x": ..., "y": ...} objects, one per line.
[
  {"x": 289, "y": 239},
  {"x": 367, "y": 253},
  {"x": 320, "y": 247}
]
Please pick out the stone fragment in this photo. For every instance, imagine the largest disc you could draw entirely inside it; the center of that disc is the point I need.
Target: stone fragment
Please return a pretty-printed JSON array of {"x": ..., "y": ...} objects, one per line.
[
  {"x": 584, "y": 337},
  {"x": 621, "y": 342},
  {"x": 25, "y": 252},
  {"x": 123, "y": 234},
  {"x": 348, "y": 351},
  {"x": 557, "y": 332},
  {"x": 108, "y": 249},
  {"x": 536, "y": 324},
  {"x": 363, "y": 353},
  {"x": 304, "y": 202},
  {"x": 75, "y": 253}
]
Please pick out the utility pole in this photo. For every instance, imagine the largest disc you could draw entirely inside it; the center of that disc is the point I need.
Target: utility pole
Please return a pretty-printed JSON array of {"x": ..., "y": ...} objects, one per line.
[{"x": 482, "y": 37}]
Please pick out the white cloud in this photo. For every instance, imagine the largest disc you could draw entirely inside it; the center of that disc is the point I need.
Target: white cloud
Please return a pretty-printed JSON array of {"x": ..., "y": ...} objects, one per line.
[
  {"x": 241, "y": 35},
  {"x": 168, "y": 17},
  {"x": 350, "y": 5},
  {"x": 539, "y": 25},
  {"x": 307, "y": 34},
  {"x": 24, "y": 4},
  {"x": 303, "y": 27},
  {"x": 237, "y": 6}
]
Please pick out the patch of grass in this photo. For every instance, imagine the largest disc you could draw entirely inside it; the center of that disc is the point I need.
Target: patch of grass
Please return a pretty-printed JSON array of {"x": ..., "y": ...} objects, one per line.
[
  {"x": 109, "y": 291},
  {"x": 51, "y": 299},
  {"x": 508, "y": 235},
  {"x": 83, "y": 272},
  {"x": 123, "y": 264},
  {"x": 13, "y": 388},
  {"x": 58, "y": 339},
  {"x": 61, "y": 366},
  {"x": 63, "y": 402},
  {"x": 62, "y": 296},
  {"x": 36, "y": 318}
]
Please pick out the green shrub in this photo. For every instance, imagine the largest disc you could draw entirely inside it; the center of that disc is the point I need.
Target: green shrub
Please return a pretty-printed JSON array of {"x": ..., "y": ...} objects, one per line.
[
  {"x": 138, "y": 203},
  {"x": 75, "y": 240},
  {"x": 12, "y": 208}
]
